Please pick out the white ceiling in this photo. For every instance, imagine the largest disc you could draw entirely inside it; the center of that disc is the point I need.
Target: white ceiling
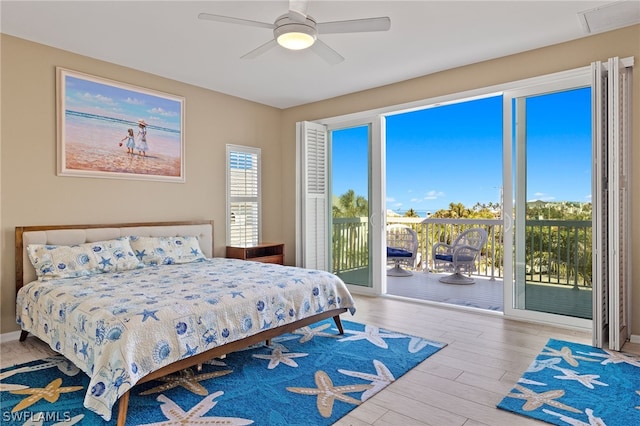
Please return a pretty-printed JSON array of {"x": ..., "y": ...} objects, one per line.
[{"x": 166, "y": 38}]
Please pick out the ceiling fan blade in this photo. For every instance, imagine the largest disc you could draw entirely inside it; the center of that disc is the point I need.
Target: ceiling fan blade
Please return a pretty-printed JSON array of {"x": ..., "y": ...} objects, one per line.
[
  {"x": 232, "y": 20},
  {"x": 298, "y": 10},
  {"x": 325, "y": 52},
  {"x": 355, "y": 25},
  {"x": 260, "y": 50}
]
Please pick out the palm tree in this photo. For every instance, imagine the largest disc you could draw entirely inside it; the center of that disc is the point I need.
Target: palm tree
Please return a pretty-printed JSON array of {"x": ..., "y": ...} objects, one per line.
[
  {"x": 411, "y": 213},
  {"x": 456, "y": 211},
  {"x": 351, "y": 205},
  {"x": 480, "y": 206}
]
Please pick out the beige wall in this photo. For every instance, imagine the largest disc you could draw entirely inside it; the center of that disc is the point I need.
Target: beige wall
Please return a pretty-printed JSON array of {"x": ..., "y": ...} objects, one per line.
[
  {"x": 32, "y": 194},
  {"x": 575, "y": 54}
]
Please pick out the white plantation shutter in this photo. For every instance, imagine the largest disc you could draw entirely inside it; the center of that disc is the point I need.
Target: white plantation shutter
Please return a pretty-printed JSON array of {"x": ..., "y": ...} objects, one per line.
[
  {"x": 612, "y": 130},
  {"x": 600, "y": 204},
  {"x": 243, "y": 195},
  {"x": 619, "y": 99},
  {"x": 313, "y": 204}
]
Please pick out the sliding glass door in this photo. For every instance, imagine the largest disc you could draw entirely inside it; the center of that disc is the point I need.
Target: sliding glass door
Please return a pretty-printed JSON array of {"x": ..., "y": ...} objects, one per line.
[
  {"x": 550, "y": 148},
  {"x": 562, "y": 250},
  {"x": 355, "y": 203}
]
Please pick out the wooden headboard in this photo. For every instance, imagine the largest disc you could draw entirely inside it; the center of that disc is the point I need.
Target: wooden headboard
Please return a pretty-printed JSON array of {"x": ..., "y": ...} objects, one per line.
[{"x": 79, "y": 234}]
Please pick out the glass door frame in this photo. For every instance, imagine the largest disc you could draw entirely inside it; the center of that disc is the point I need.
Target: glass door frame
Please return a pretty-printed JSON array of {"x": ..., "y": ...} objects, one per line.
[
  {"x": 514, "y": 247},
  {"x": 377, "y": 213}
]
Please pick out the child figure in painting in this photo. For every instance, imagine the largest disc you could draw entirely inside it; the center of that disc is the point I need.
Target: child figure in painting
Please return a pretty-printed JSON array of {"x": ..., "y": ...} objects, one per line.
[
  {"x": 131, "y": 144},
  {"x": 141, "y": 144}
]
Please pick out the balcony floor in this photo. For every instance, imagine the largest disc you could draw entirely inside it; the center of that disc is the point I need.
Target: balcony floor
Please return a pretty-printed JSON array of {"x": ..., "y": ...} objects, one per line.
[
  {"x": 487, "y": 294},
  {"x": 484, "y": 294}
]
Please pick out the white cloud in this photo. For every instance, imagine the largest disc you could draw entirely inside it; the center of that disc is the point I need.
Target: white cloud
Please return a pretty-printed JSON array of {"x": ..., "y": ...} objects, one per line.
[
  {"x": 100, "y": 99},
  {"x": 541, "y": 196},
  {"x": 163, "y": 112},
  {"x": 433, "y": 195},
  {"x": 134, "y": 101}
]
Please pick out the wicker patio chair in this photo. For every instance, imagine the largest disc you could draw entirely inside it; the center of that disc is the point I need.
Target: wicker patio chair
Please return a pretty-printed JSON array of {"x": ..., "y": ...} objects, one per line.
[
  {"x": 402, "y": 248},
  {"x": 461, "y": 255}
]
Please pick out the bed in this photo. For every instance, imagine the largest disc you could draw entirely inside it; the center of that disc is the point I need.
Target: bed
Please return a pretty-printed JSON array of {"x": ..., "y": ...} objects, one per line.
[{"x": 135, "y": 302}]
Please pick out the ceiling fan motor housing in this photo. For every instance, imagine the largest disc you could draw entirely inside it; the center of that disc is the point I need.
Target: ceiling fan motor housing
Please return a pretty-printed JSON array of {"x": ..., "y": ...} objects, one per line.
[{"x": 300, "y": 34}]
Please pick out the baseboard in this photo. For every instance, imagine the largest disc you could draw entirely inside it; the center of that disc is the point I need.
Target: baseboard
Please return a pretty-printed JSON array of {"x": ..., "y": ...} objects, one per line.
[
  {"x": 634, "y": 338},
  {"x": 9, "y": 337}
]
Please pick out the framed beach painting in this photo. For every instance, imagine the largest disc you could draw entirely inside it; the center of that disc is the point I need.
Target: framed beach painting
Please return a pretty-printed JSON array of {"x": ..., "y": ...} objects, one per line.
[{"x": 108, "y": 129}]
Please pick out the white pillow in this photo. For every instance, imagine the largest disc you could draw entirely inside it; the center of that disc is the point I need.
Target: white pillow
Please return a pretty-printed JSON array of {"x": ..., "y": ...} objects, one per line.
[
  {"x": 51, "y": 261},
  {"x": 167, "y": 250}
]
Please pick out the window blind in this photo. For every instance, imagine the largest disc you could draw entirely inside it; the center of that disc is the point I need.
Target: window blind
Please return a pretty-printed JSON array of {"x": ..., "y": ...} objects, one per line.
[{"x": 243, "y": 195}]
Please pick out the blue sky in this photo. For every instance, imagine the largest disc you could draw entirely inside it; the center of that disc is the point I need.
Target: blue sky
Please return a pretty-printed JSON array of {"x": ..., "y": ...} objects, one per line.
[
  {"x": 95, "y": 97},
  {"x": 453, "y": 153}
]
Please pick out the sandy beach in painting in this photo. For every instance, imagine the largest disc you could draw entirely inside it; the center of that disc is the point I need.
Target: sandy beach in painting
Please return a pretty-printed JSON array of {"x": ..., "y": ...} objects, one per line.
[
  {"x": 94, "y": 145},
  {"x": 85, "y": 157}
]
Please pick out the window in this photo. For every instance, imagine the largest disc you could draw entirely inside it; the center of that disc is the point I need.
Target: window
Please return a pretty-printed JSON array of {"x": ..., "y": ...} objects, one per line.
[{"x": 243, "y": 195}]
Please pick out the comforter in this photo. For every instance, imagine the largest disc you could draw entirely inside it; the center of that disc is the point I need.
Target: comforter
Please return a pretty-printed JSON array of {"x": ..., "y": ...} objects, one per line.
[{"x": 118, "y": 327}]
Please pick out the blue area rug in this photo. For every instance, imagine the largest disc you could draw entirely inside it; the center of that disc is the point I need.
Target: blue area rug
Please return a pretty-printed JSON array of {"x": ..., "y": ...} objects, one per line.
[
  {"x": 573, "y": 384},
  {"x": 310, "y": 377}
]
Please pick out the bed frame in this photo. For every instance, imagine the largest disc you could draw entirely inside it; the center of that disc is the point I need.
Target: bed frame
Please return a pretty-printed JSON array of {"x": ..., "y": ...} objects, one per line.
[{"x": 78, "y": 234}]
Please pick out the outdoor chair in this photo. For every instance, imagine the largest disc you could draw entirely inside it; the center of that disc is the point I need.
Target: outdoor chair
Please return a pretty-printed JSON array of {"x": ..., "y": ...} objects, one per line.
[
  {"x": 461, "y": 255},
  {"x": 402, "y": 248}
]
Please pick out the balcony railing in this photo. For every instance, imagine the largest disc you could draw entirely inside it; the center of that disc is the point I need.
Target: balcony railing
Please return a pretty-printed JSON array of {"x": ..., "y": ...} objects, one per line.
[{"x": 556, "y": 251}]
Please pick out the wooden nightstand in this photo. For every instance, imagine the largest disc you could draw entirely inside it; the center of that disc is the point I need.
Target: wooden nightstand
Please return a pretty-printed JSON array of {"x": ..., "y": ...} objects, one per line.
[{"x": 263, "y": 252}]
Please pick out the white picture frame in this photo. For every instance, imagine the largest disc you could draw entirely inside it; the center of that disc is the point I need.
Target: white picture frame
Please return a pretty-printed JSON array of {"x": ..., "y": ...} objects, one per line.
[{"x": 108, "y": 129}]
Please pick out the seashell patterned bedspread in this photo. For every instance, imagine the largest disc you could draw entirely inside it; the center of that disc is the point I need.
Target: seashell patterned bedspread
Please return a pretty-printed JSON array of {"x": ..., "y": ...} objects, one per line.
[{"x": 118, "y": 327}]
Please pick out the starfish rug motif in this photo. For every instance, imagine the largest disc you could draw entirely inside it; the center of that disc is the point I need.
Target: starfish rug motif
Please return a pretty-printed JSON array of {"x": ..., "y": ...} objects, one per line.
[
  {"x": 573, "y": 384},
  {"x": 312, "y": 376},
  {"x": 49, "y": 393}
]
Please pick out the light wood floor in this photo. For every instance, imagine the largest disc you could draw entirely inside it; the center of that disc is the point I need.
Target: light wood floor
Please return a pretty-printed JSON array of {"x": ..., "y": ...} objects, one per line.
[{"x": 459, "y": 385}]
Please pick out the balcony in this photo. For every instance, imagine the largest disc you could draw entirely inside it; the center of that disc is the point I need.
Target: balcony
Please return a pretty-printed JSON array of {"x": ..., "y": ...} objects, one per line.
[{"x": 556, "y": 271}]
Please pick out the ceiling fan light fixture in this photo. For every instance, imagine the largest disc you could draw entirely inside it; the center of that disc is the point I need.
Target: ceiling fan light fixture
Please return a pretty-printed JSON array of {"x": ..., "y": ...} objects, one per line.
[
  {"x": 296, "y": 30},
  {"x": 295, "y": 36}
]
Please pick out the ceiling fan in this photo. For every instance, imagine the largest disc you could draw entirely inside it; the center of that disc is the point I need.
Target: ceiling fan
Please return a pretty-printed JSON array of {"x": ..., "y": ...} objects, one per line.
[{"x": 296, "y": 30}]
